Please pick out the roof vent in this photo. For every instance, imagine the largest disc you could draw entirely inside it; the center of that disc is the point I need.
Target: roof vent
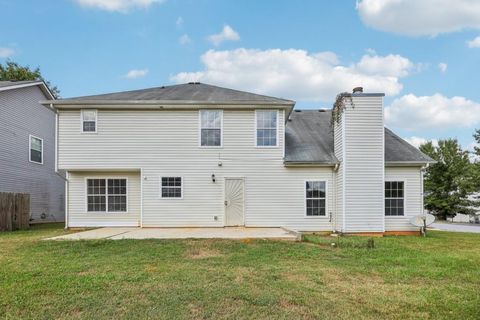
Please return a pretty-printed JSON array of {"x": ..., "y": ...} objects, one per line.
[
  {"x": 358, "y": 90},
  {"x": 298, "y": 110},
  {"x": 322, "y": 110},
  {"x": 191, "y": 83}
]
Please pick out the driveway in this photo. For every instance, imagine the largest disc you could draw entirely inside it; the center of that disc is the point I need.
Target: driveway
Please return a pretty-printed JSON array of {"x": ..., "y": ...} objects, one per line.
[
  {"x": 180, "y": 233},
  {"x": 456, "y": 227}
]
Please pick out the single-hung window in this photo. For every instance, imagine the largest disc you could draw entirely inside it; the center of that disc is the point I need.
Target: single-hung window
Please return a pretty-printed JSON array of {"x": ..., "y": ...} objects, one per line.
[
  {"x": 171, "y": 187},
  {"x": 211, "y": 128},
  {"x": 266, "y": 128},
  {"x": 315, "y": 193},
  {"x": 394, "y": 198},
  {"x": 89, "y": 121},
  {"x": 107, "y": 195},
  {"x": 36, "y": 150}
]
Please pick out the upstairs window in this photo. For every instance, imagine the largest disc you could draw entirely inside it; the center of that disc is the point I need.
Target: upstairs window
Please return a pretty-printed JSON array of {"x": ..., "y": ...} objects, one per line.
[
  {"x": 315, "y": 194},
  {"x": 266, "y": 128},
  {"x": 36, "y": 149},
  {"x": 394, "y": 198},
  {"x": 107, "y": 195},
  {"x": 171, "y": 187},
  {"x": 211, "y": 128},
  {"x": 89, "y": 121}
]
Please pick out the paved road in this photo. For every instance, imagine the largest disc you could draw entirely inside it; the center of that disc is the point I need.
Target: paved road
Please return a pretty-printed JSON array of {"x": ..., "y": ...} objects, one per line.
[{"x": 456, "y": 227}]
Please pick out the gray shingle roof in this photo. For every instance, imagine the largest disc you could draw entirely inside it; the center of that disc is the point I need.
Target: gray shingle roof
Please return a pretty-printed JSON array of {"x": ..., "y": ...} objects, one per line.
[
  {"x": 309, "y": 139},
  {"x": 190, "y": 93}
]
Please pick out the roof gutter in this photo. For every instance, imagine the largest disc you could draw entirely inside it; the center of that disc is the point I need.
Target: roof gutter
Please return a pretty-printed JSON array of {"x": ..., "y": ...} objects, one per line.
[
  {"x": 310, "y": 164},
  {"x": 409, "y": 163},
  {"x": 128, "y": 103}
]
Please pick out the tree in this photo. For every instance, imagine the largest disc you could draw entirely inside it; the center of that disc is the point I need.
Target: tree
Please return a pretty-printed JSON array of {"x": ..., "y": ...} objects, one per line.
[
  {"x": 450, "y": 181},
  {"x": 12, "y": 71}
]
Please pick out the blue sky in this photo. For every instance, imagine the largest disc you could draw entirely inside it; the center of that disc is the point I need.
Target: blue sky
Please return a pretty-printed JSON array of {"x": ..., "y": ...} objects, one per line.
[{"x": 427, "y": 61}]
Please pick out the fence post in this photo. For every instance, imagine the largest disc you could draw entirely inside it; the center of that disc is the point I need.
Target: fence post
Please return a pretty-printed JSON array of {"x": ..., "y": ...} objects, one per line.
[{"x": 14, "y": 211}]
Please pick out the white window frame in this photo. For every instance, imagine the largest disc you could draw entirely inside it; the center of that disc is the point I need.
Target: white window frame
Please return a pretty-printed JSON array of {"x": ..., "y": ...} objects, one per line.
[
  {"x": 404, "y": 198},
  {"x": 81, "y": 121},
  {"x": 200, "y": 129},
  {"x": 256, "y": 128},
  {"x": 305, "y": 198},
  {"x": 106, "y": 195},
  {"x": 30, "y": 148},
  {"x": 181, "y": 187}
]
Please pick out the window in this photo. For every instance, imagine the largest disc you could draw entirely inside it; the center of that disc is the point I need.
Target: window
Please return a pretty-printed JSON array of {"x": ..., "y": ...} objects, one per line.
[
  {"x": 394, "y": 198},
  {"x": 36, "y": 149},
  {"x": 266, "y": 128},
  {"x": 315, "y": 193},
  {"x": 171, "y": 187},
  {"x": 211, "y": 128},
  {"x": 89, "y": 121},
  {"x": 107, "y": 195}
]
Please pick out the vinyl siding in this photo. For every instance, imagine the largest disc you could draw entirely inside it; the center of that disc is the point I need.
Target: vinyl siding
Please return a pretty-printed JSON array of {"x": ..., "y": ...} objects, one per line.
[
  {"x": 339, "y": 152},
  {"x": 165, "y": 143},
  {"x": 364, "y": 165},
  {"x": 413, "y": 197},
  {"x": 22, "y": 115},
  {"x": 77, "y": 211}
]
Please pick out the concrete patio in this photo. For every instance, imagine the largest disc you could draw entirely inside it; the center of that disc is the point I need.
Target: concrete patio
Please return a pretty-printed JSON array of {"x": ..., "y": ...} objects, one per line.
[{"x": 181, "y": 233}]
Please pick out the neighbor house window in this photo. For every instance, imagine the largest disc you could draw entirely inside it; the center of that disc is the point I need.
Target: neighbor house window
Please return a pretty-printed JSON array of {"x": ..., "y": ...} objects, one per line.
[
  {"x": 107, "y": 195},
  {"x": 36, "y": 150},
  {"x": 89, "y": 121},
  {"x": 315, "y": 193},
  {"x": 171, "y": 187},
  {"x": 266, "y": 128},
  {"x": 211, "y": 128},
  {"x": 394, "y": 198}
]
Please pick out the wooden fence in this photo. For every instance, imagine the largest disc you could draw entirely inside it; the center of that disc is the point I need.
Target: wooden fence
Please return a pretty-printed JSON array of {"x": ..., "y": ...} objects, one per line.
[{"x": 14, "y": 211}]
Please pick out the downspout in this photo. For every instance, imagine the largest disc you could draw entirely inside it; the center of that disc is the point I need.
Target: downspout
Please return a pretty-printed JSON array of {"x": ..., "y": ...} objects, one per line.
[
  {"x": 66, "y": 199},
  {"x": 141, "y": 197}
]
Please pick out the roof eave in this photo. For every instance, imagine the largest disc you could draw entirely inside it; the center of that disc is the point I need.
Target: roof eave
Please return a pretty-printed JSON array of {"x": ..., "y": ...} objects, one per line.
[
  {"x": 128, "y": 103},
  {"x": 309, "y": 164},
  {"x": 408, "y": 163}
]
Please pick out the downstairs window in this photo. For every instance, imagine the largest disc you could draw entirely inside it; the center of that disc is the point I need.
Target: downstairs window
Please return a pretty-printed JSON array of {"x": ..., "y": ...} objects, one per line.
[
  {"x": 107, "y": 195},
  {"x": 315, "y": 197},
  {"x": 394, "y": 198}
]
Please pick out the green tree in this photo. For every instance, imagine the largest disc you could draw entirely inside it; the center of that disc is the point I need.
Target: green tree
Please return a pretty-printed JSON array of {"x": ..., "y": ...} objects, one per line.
[
  {"x": 449, "y": 182},
  {"x": 12, "y": 71}
]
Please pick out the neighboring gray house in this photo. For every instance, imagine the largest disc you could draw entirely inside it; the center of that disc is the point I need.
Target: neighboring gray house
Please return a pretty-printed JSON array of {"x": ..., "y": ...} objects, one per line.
[
  {"x": 27, "y": 148},
  {"x": 196, "y": 155}
]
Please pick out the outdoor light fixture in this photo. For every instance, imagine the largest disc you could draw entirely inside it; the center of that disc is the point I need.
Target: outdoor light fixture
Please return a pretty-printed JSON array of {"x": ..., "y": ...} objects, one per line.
[{"x": 213, "y": 177}]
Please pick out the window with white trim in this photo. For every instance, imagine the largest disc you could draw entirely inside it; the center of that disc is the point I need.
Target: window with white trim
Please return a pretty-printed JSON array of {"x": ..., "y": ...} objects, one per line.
[
  {"x": 315, "y": 194},
  {"x": 171, "y": 187},
  {"x": 266, "y": 128},
  {"x": 36, "y": 149},
  {"x": 394, "y": 198},
  {"x": 211, "y": 128},
  {"x": 89, "y": 121},
  {"x": 107, "y": 195}
]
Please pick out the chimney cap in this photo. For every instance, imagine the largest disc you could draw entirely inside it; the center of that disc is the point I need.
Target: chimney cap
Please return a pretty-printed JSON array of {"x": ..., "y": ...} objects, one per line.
[{"x": 357, "y": 90}]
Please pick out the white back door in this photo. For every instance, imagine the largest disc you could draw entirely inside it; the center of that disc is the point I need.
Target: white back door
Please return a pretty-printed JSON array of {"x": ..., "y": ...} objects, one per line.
[{"x": 234, "y": 202}]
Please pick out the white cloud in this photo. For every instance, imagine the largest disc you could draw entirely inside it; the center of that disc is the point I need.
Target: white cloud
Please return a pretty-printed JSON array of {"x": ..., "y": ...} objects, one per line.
[
  {"x": 410, "y": 112},
  {"x": 227, "y": 34},
  {"x": 184, "y": 39},
  {"x": 297, "y": 74},
  {"x": 474, "y": 43},
  {"x": 442, "y": 67},
  {"x": 179, "y": 22},
  {"x": 117, "y": 5},
  {"x": 418, "y": 141},
  {"x": 420, "y": 17},
  {"x": 6, "y": 52},
  {"x": 136, "y": 73}
]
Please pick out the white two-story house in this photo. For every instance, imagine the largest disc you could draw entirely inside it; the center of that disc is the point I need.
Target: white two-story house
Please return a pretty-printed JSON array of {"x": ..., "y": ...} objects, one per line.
[{"x": 196, "y": 155}]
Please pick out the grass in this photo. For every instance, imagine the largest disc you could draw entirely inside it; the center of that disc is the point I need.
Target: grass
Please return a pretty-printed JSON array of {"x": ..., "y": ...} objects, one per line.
[{"x": 437, "y": 277}]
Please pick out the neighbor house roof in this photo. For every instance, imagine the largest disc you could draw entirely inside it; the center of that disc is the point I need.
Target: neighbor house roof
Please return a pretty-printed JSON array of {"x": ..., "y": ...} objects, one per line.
[
  {"x": 10, "y": 85},
  {"x": 187, "y": 94},
  {"x": 309, "y": 140}
]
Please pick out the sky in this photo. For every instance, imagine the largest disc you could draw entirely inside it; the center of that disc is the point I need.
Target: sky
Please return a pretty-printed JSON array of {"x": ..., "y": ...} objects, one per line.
[{"x": 424, "y": 55}]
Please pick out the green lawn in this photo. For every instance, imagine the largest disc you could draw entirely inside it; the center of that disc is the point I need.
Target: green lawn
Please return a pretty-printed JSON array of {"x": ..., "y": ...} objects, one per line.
[{"x": 401, "y": 278}]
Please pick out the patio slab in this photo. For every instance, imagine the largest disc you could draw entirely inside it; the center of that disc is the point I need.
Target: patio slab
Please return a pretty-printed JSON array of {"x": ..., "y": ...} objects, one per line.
[{"x": 181, "y": 233}]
